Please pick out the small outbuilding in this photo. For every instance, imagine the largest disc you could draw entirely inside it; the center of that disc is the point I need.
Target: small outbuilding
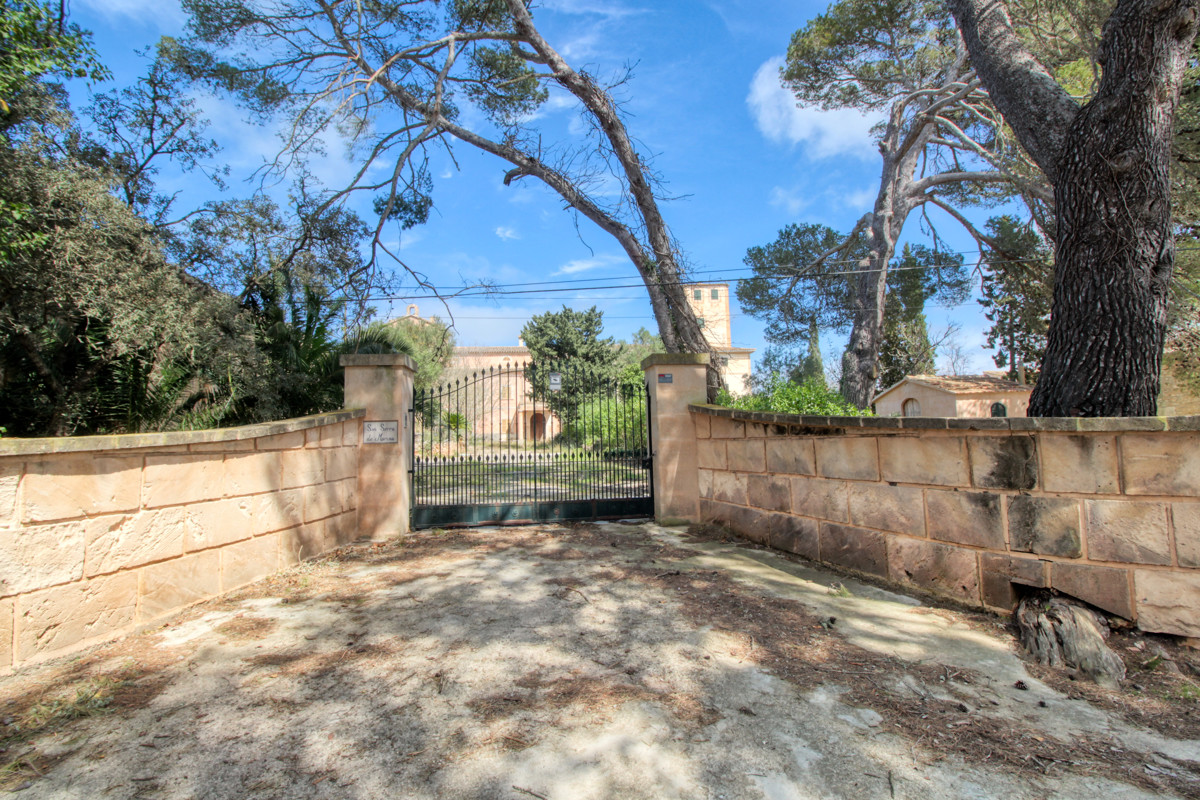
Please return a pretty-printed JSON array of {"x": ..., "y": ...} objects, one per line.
[{"x": 953, "y": 396}]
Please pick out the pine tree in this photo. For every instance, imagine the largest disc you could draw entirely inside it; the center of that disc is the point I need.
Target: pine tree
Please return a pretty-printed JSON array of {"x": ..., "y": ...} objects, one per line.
[{"x": 1018, "y": 284}]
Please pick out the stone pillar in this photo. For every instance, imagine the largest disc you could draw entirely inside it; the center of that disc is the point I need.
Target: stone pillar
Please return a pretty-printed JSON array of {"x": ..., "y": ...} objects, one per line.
[
  {"x": 676, "y": 380},
  {"x": 383, "y": 386}
]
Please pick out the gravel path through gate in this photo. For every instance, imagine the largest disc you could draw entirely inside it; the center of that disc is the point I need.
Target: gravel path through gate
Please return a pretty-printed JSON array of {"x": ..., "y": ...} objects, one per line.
[{"x": 567, "y": 663}]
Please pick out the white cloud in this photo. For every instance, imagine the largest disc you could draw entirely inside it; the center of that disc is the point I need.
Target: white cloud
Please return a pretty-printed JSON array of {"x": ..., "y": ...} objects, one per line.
[
  {"x": 863, "y": 199},
  {"x": 507, "y": 234},
  {"x": 603, "y": 8},
  {"x": 578, "y": 265},
  {"x": 823, "y": 133},
  {"x": 789, "y": 199}
]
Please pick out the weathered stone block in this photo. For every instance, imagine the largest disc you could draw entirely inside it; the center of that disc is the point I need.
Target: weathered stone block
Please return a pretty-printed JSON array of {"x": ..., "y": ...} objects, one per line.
[
  {"x": 749, "y": 523},
  {"x": 729, "y": 488},
  {"x": 703, "y": 425},
  {"x": 220, "y": 522},
  {"x": 854, "y": 548},
  {"x": 6, "y": 632},
  {"x": 770, "y": 492},
  {"x": 704, "y": 481},
  {"x": 938, "y": 568},
  {"x": 283, "y": 441},
  {"x": 41, "y": 556},
  {"x": 10, "y": 477},
  {"x": 75, "y": 485},
  {"x": 1129, "y": 532},
  {"x": 322, "y": 500},
  {"x": 348, "y": 493},
  {"x": 276, "y": 510},
  {"x": 252, "y": 473},
  {"x": 230, "y": 446},
  {"x": 341, "y": 530},
  {"x": 799, "y": 535},
  {"x": 324, "y": 436},
  {"x": 1103, "y": 587},
  {"x": 302, "y": 468},
  {"x": 889, "y": 508},
  {"x": 1168, "y": 602},
  {"x": 940, "y": 460},
  {"x": 1187, "y": 533},
  {"x": 302, "y": 543},
  {"x": 1083, "y": 463},
  {"x": 120, "y": 542},
  {"x": 850, "y": 457},
  {"x": 724, "y": 428},
  {"x": 710, "y": 454},
  {"x": 171, "y": 585},
  {"x": 1044, "y": 525},
  {"x": 971, "y": 518},
  {"x": 248, "y": 561},
  {"x": 813, "y": 497},
  {"x": 791, "y": 455},
  {"x": 351, "y": 433},
  {"x": 176, "y": 480},
  {"x": 998, "y": 573},
  {"x": 747, "y": 455},
  {"x": 1003, "y": 462},
  {"x": 1162, "y": 463},
  {"x": 57, "y": 618}
]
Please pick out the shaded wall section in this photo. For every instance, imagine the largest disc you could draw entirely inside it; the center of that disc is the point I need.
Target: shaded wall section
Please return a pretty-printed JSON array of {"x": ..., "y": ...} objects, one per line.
[
  {"x": 1105, "y": 510},
  {"x": 101, "y": 534}
]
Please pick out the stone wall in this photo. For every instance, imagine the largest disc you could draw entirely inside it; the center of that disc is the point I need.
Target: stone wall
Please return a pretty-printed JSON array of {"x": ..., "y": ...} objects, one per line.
[
  {"x": 1105, "y": 510},
  {"x": 101, "y": 534}
]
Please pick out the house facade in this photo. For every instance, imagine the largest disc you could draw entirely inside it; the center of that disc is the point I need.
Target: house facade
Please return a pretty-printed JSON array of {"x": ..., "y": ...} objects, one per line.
[
  {"x": 953, "y": 396},
  {"x": 710, "y": 304}
]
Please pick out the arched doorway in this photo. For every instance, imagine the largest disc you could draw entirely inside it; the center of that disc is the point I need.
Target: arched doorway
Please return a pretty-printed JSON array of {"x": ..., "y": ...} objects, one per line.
[{"x": 537, "y": 426}]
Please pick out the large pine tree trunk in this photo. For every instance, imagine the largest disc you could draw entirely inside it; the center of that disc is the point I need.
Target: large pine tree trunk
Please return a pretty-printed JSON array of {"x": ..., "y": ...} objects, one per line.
[
  {"x": 1115, "y": 249},
  {"x": 1108, "y": 161}
]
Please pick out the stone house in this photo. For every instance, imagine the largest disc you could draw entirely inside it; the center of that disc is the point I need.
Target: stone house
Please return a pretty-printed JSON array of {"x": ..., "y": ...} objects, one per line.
[{"x": 953, "y": 396}]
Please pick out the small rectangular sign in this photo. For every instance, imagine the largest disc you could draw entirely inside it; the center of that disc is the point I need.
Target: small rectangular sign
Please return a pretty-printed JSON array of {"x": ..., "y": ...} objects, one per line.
[
  {"x": 556, "y": 381},
  {"x": 666, "y": 377},
  {"x": 381, "y": 432}
]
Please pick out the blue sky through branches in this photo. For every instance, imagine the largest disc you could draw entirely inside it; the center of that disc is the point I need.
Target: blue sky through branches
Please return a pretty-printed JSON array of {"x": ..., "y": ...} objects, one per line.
[{"x": 705, "y": 104}]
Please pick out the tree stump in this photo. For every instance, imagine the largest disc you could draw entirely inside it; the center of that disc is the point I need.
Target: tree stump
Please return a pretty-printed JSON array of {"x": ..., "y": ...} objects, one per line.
[{"x": 1058, "y": 632}]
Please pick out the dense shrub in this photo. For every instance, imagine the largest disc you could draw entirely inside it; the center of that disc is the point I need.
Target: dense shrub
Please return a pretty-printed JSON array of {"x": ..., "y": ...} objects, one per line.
[{"x": 782, "y": 396}]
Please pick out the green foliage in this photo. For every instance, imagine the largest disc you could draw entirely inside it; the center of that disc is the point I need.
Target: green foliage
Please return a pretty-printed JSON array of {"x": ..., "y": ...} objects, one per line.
[
  {"x": 620, "y": 417},
  {"x": 558, "y": 339},
  {"x": 789, "y": 293},
  {"x": 1017, "y": 289},
  {"x": 864, "y": 53},
  {"x": 812, "y": 369},
  {"x": 431, "y": 345},
  {"x": 782, "y": 396},
  {"x": 35, "y": 41},
  {"x": 919, "y": 276}
]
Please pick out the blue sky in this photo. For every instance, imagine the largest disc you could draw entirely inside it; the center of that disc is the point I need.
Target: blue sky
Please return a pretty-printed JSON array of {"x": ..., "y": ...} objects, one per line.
[{"x": 704, "y": 101}]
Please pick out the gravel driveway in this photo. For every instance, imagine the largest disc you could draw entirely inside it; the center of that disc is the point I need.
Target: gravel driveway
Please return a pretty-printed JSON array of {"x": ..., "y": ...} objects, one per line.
[{"x": 574, "y": 662}]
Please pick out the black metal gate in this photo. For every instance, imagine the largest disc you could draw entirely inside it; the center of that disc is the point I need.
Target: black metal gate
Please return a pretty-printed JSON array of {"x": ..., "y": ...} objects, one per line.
[{"x": 528, "y": 443}]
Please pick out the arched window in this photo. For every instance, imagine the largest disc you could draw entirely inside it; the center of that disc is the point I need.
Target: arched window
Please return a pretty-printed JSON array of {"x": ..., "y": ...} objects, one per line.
[
  {"x": 911, "y": 407},
  {"x": 999, "y": 410}
]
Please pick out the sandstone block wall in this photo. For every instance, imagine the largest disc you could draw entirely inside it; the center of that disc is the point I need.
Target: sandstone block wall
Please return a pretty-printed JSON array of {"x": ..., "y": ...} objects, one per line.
[
  {"x": 99, "y": 535},
  {"x": 1105, "y": 510}
]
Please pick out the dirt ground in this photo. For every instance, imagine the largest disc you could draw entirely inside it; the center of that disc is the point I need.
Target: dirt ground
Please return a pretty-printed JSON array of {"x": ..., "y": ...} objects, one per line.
[{"x": 589, "y": 661}]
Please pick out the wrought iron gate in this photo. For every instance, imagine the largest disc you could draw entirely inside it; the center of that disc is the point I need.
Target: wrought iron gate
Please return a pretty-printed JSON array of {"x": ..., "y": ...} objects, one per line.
[{"x": 530, "y": 442}]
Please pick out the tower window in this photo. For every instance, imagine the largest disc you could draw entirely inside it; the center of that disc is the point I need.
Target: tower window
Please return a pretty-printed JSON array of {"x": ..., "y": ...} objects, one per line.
[
  {"x": 716, "y": 294},
  {"x": 700, "y": 321},
  {"x": 698, "y": 294}
]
